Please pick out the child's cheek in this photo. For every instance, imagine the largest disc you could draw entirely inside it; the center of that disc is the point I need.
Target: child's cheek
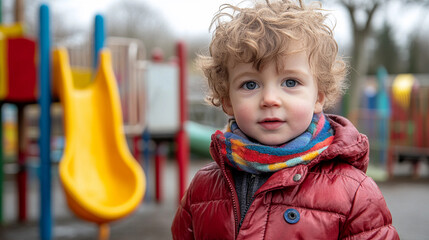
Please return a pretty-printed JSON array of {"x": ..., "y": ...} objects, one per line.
[
  {"x": 244, "y": 112},
  {"x": 302, "y": 110}
]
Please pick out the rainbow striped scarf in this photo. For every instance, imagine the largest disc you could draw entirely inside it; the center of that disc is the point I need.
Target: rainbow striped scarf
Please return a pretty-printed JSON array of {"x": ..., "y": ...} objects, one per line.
[{"x": 255, "y": 158}]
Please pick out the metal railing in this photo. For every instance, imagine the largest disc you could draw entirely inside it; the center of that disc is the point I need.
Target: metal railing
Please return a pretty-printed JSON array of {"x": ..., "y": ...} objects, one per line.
[{"x": 128, "y": 59}]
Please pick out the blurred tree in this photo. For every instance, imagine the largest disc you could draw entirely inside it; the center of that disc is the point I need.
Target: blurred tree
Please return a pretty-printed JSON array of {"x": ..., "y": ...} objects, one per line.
[
  {"x": 135, "y": 19},
  {"x": 418, "y": 54},
  {"x": 63, "y": 30},
  {"x": 361, "y": 14},
  {"x": 386, "y": 53},
  {"x": 413, "y": 61},
  {"x": 8, "y": 11},
  {"x": 418, "y": 47},
  {"x": 19, "y": 10},
  {"x": 27, "y": 11}
]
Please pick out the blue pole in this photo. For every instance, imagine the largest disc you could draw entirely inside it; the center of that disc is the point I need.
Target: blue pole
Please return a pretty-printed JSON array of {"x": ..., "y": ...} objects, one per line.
[
  {"x": 383, "y": 110},
  {"x": 45, "y": 124},
  {"x": 146, "y": 163},
  {"x": 99, "y": 36}
]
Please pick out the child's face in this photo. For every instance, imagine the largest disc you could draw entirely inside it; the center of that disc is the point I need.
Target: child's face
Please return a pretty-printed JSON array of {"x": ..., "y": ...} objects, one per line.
[{"x": 273, "y": 107}]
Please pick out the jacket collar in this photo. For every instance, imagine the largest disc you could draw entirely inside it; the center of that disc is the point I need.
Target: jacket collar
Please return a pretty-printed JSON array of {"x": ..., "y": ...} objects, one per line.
[{"x": 349, "y": 144}]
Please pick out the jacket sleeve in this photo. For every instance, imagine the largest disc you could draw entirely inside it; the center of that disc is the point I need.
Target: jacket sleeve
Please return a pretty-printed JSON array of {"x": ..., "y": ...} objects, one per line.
[
  {"x": 369, "y": 217},
  {"x": 181, "y": 228}
]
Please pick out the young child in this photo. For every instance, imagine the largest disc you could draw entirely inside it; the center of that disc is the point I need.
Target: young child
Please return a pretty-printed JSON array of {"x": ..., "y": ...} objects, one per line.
[{"x": 283, "y": 169}]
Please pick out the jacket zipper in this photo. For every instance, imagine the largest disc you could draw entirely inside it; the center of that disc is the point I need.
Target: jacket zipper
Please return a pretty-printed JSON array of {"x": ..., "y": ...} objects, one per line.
[
  {"x": 234, "y": 203},
  {"x": 249, "y": 197}
]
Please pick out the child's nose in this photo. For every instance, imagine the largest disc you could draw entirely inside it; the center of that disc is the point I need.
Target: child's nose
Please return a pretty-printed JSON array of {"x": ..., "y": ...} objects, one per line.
[{"x": 270, "y": 98}]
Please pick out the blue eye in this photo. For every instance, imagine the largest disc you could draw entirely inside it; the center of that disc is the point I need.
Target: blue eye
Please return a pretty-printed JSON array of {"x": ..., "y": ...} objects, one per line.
[
  {"x": 250, "y": 85},
  {"x": 290, "y": 83}
]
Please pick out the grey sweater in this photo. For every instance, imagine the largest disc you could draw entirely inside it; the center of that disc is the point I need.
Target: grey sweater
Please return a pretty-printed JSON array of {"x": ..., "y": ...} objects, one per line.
[{"x": 246, "y": 184}]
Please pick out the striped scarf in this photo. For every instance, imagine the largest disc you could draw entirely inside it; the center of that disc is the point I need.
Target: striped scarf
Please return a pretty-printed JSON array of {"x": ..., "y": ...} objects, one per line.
[{"x": 255, "y": 158}]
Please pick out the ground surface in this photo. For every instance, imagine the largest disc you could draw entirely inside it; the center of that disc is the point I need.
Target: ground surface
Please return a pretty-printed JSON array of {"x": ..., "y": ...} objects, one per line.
[{"x": 406, "y": 197}]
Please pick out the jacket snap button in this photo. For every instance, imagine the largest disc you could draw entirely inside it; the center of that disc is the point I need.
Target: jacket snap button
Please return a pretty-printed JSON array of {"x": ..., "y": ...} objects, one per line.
[
  {"x": 297, "y": 177},
  {"x": 291, "y": 216}
]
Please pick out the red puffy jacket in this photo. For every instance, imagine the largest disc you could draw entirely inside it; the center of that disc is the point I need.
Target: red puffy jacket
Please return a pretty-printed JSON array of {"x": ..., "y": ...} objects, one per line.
[{"x": 330, "y": 198}]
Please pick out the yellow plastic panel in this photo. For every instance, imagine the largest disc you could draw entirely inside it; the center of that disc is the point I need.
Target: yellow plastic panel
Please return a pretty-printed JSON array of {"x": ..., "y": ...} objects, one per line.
[
  {"x": 12, "y": 30},
  {"x": 101, "y": 179},
  {"x": 401, "y": 88}
]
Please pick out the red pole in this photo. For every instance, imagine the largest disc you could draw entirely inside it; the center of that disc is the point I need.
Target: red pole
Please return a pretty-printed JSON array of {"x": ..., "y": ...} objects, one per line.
[
  {"x": 136, "y": 149},
  {"x": 182, "y": 141},
  {"x": 22, "y": 172},
  {"x": 160, "y": 155}
]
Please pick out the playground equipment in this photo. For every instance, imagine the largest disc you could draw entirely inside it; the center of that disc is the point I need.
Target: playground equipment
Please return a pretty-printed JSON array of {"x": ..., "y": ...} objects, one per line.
[
  {"x": 401, "y": 89},
  {"x": 43, "y": 96},
  {"x": 18, "y": 86},
  {"x": 409, "y": 123},
  {"x": 395, "y": 118},
  {"x": 45, "y": 225},
  {"x": 167, "y": 115},
  {"x": 101, "y": 179},
  {"x": 199, "y": 138},
  {"x": 128, "y": 61}
]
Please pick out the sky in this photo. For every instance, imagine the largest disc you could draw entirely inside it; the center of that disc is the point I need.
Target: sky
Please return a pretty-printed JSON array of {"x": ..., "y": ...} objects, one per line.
[
  {"x": 193, "y": 17},
  {"x": 187, "y": 17}
]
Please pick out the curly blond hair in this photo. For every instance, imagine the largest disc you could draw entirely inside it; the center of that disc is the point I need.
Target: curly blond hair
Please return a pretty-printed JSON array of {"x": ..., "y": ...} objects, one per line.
[{"x": 262, "y": 34}]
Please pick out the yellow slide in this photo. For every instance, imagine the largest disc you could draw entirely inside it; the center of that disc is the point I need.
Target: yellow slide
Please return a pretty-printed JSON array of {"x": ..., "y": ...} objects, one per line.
[{"x": 101, "y": 179}]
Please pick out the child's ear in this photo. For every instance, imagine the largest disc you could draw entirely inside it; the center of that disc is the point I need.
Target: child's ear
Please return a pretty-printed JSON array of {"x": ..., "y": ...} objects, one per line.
[
  {"x": 320, "y": 102},
  {"x": 227, "y": 107}
]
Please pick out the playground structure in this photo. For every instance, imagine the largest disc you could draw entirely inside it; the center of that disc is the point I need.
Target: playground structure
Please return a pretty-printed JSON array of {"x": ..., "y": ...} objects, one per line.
[
  {"x": 17, "y": 53},
  {"x": 19, "y": 81},
  {"x": 77, "y": 173},
  {"x": 80, "y": 202},
  {"x": 395, "y": 118},
  {"x": 409, "y": 122}
]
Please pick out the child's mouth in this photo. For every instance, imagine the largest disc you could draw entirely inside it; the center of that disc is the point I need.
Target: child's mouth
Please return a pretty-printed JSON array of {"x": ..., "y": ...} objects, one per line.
[{"x": 271, "y": 123}]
